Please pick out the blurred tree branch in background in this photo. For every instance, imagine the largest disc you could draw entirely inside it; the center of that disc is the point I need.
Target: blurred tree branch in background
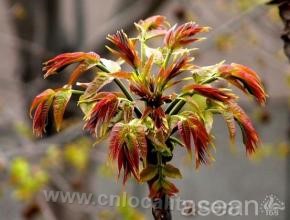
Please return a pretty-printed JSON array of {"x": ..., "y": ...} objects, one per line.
[{"x": 284, "y": 11}]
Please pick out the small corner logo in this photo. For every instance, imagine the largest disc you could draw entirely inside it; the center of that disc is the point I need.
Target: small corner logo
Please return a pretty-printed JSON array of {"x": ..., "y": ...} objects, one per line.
[{"x": 271, "y": 205}]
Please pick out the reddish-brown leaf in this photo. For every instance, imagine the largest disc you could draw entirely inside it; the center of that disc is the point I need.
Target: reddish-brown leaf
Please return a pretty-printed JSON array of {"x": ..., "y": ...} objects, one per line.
[
  {"x": 59, "y": 62},
  {"x": 185, "y": 133},
  {"x": 125, "y": 48},
  {"x": 250, "y": 135},
  {"x": 45, "y": 95},
  {"x": 229, "y": 118},
  {"x": 211, "y": 92},
  {"x": 182, "y": 35},
  {"x": 40, "y": 117},
  {"x": 175, "y": 69},
  {"x": 245, "y": 79}
]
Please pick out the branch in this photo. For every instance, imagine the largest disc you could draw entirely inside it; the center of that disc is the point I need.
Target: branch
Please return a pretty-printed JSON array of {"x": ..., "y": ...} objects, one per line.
[
  {"x": 284, "y": 11},
  {"x": 39, "y": 147}
]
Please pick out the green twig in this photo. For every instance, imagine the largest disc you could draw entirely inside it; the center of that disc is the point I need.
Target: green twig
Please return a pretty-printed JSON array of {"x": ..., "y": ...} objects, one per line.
[
  {"x": 77, "y": 92},
  {"x": 166, "y": 60}
]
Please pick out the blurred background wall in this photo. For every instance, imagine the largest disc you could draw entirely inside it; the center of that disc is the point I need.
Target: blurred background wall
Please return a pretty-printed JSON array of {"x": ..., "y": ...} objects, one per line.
[{"x": 243, "y": 31}]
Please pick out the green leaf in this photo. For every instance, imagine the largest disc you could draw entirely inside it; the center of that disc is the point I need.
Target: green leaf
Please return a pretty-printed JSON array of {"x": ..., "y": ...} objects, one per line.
[
  {"x": 175, "y": 140},
  {"x": 148, "y": 173},
  {"x": 182, "y": 52},
  {"x": 86, "y": 108},
  {"x": 128, "y": 109},
  {"x": 112, "y": 66},
  {"x": 171, "y": 171},
  {"x": 200, "y": 101},
  {"x": 60, "y": 102},
  {"x": 208, "y": 120},
  {"x": 156, "y": 53},
  {"x": 173, "y": 120}
]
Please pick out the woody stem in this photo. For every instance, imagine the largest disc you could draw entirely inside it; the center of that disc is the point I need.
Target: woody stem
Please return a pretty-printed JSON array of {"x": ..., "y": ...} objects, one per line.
[{"x": 161, "y": 204}]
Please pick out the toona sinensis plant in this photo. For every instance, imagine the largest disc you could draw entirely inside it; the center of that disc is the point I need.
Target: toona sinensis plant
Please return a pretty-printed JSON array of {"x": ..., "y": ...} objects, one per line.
[{"x": 165, "y": 102}]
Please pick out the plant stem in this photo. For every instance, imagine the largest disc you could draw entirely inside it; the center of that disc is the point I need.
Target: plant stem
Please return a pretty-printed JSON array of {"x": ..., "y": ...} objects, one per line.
[
  {"x": 177, "y": 107},
  {"x": 160, "y": 205},
  {"x": 171, "y": 106},
  {"x": 77, "y": 92},
  {"x": 176, "y": 101},
  {"x": 168, "y": 55},
  {"x": 176, "y": 140},
  {"x": 143, "y": 51},
  {"x": 161, "y": 208}
]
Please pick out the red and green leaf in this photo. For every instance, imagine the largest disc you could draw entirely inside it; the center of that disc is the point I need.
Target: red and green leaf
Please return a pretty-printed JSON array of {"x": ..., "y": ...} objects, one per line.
[
  {"x": 171, "y": 171},
  {"x": 60, "y": 102},
  {"x": 92, "y": 88},
  {"x": 169, "y": 188},
  {"x": 155, "y": 189},
  {"x": 128, "y": 143},
  {"x": 162, "y": 187},
  {"x": 101, "y": 114},
  {"x": 192, "y": 127},
  {"x": 148, "y": 173}
]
